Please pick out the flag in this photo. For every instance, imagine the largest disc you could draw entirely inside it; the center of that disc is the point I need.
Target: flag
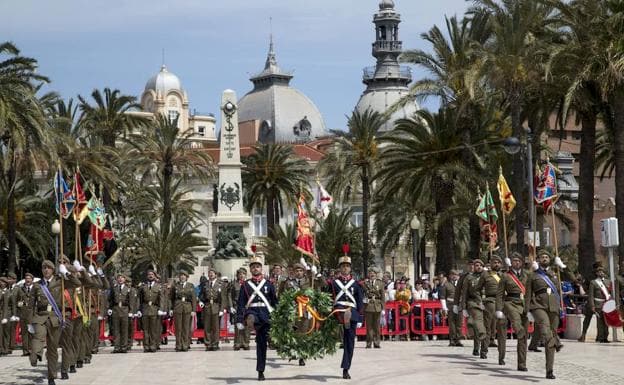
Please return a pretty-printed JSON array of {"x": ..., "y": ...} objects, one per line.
[
  {"x": 63, "y": 196},
  {"x": 305, "y": 241},
  {"x": 323, "y": 200},
  {"x": 101, "y": 240},
  {"x": 545, "y": 193},
  {"x": 80, "y": 209},
  {"x": 486, "y": 211},
  {"x": 508, "y": 202},
  {"x": 96, "y": 212}
]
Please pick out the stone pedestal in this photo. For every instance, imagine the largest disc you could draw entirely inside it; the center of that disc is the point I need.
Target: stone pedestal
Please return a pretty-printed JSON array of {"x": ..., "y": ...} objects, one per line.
[{"x": 228, "y": 267}]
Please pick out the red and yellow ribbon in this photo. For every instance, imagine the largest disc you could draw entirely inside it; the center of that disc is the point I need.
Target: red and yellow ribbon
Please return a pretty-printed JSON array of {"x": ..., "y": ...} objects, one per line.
[{"x": 303, "y": 304}]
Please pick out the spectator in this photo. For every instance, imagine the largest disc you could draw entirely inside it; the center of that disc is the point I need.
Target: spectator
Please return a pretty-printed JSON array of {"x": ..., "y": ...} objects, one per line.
[
  {"x": 419, "y": 293},
  {"x": 567, "y": 290}
]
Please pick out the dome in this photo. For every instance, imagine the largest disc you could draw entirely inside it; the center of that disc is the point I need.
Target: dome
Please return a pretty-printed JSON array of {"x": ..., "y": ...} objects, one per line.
[
  {"x": 386, "y": 4},
  {"x": 285, "y": 114},
  {"x": 163, "y": 82},
  {"x": 380, "y": 100}
]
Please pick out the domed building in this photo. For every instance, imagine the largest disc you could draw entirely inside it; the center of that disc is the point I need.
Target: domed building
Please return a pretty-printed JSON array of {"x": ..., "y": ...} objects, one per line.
[
  {"x": 387, "y": 82},
  {"x": 285, "y": 114},
  {"x": 164, "y": 94}
]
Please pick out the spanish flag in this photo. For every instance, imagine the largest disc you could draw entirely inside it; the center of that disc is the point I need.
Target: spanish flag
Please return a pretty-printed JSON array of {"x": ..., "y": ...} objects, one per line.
[{"x": 508, "y": 202}]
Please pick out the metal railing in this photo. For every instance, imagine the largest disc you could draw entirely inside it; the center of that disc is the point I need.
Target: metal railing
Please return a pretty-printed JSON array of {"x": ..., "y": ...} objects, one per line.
[
  {"x": 388, "y": 45},
  {"x": 370, "y": 73}
]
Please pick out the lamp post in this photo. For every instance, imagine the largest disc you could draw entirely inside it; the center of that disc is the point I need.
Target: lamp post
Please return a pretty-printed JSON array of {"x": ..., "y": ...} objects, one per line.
[
  {"x": 415, "y": 227},
  {"x": 56, "y": 230},
  {"x": 512, "y": 145},
  {"x": 393, "y": 256}
]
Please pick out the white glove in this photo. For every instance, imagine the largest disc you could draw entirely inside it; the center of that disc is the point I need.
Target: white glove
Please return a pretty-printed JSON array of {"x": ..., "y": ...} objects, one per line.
[
  {"x": 499, "y": 314},
  {"x": 534, "y": 266},
  {"x": 162, "y": 313},
  {"x": 170, "y": 313},
  {"x": 31, "y": 328},
  {"x": 383, "y": 313},
  {"x": 443, "y": 302},
  {"x": 455, "y": 309},
  {"x": 139, "y": 314},
  {"x": 530, "y": 317},
  {"x": 559, "y": 263},
  {"x": 507, "y": 261},
  {"x": 232, "y": 310},
  {"x": 14, "y": 318},
  {"x": 100, "y": 272},
  {"x": 100, "y": 318},
  {"x": 240, "y": 326},
  {"x": 485, "y": 268},
  {"x": 92, "y": 270},
  {"x": 63, "y": 269},
  {"x": 130, "y": 315},
  {"x": 465, "y": 313},
  {"x": 201, "y": 304},
  {"x": 359, "y": 325},
  {"x": 193, "y": 314},
  {"x": 110, "y": 312},
  {"x": 220, "y": 314},
  {"x": 303, "y": 262},
  {"x": 77, "y": 264},
  {"x": 314, "y": 270}
]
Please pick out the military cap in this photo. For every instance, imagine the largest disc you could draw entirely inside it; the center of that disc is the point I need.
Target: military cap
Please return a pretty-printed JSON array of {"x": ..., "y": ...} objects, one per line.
[
  {"x": 255, "y": 260},
  {"x": 213, "y": 270},
  {"x": 242, "y": 270},
  {"x": 517, "y": 255},
  {"x": 122, "y": 274},
  {"x": 64, "y": 259},
  {"x": 298, "y": 266},
  {"x": 29, "y": 275},
  {"x": 4, "y": 280},
  {"x": 128, "y": 279},
  {"x": 495, "y": 258},
  {"x": 544, "y": 252},
  {"x": 225, "y": 278},
  {"x": 47, "y": 264},
  {"x": 344, "y": 259},
  {"x": 477, "y": 260},
  {"x": 277, "y": 264},
  {"x": 182, "y": 272},
  {"x": 453, "y": 271},
  {"x": 599, "y": 268},
  {"x": 12, "y": 276}
]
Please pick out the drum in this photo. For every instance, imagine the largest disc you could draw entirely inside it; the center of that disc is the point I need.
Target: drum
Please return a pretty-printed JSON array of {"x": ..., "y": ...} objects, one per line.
[{"x": 611, "y": 314}]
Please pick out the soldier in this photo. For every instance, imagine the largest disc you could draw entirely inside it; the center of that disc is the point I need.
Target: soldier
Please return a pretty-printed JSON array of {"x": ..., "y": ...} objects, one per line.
[
  {"x": 543, "y": 302},
  {"x": 374, "y": 306},
  {"x": 213, "y": 300},
  {"x": 121, "y": 303},
  {"x": 66, "y": 342},
  {"x": 510, "y": 304},
  {"x": 458, "y": 300},
  {"x": 447, "y": 298},
  {"x": 472, "y": 306},
  {"x": 13, "y": 319},
  {"x": 133, "y": 321},
  {"x": 4, "y": 316},
  {"x": 91, "y": 330},
  {"x": 48, "y": 318},
  {"x": 597, "y": 295},
  {"x": 255, "y": 303},
  {"x": 102, "y": 305},
  {"x": 184, "y": 303},
  {"x": 348, "y": 297},
  {"x": 241, "y": 337},
  {"x": 152, "y": 305},
  {"x": 488, "y": 286},
  {"x": 25, "y": 302}
]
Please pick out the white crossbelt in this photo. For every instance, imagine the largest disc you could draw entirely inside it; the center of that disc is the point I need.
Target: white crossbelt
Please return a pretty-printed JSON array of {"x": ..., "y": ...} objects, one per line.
[
  {"x": 344, "y": 290},
  {"x": 604, "y": 290},
  {"x": 258, "y": 293}
]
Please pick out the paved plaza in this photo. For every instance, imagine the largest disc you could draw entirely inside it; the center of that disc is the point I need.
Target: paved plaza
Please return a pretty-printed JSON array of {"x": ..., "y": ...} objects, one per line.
[{"x": 395, "y": 363}]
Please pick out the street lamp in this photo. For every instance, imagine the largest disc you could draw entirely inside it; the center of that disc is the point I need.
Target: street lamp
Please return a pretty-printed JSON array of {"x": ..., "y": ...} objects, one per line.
[
  {"x": 512, "y": 145},
  {"x": 56, "y": 230},
  {"x": 415, "y": 226},
  {"x": 393, "y": 255}
]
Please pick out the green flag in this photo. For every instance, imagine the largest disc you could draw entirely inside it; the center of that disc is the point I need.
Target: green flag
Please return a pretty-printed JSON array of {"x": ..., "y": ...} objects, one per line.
[
  {"x": 96, "y": 213},
  {"x": 486, "y": 209}
]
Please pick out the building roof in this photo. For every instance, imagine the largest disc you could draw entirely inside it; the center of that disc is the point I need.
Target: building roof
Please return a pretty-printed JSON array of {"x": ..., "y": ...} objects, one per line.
[
  {"x": 163, "y": 82},
  {"x": 302, "y": 150}
]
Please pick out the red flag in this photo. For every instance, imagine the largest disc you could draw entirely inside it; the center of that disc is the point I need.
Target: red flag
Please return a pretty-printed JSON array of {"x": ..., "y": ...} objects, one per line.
[
  {"x": 80, "y": 211},
  {"x": 305, "y": 240}
]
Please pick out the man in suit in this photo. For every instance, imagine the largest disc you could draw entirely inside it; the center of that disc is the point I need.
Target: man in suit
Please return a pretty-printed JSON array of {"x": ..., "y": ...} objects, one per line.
[
  {"x": 184, "y": 303},
  {"x": 213, "y": 300},
  {"x": 374, "y": 306},
  {"x": 152, "y": 307},
  {"x": 256, "y": 301},
  {"x": 47, "y": 314}
]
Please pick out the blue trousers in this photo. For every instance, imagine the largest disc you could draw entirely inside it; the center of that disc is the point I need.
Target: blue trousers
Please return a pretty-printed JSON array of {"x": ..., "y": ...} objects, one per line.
[
  {"x": 262, "y": 339},
  {"x": 348, "y": 341}
]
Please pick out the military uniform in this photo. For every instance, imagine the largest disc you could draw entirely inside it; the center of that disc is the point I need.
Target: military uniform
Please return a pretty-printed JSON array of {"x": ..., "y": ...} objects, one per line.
[
  {"x": 184, "y": 304},
  {"x": 13, "y": 319},
  {"x": 488, "y": 286},
  {"x": 121, "y": 303},
  {"x": 214, "y": 299},
  {"x": 597, "y": 295},
  {"x": 134, "y": 321},
  {"x": 25, "y": 307},
  {"x": 152, "y": 306},
  {"x": 544, "y": 303},
  {"x": 447, "y": 297},
  {"x": 510, "y": 299},
  {"x": 5, "y": 315},
  {"x": 473, "y": 304},
  {"x": 374, "y": 305},
  {"x": 241, "y": 337}
]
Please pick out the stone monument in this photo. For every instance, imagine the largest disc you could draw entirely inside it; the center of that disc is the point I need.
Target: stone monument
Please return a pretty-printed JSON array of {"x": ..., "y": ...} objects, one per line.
[{"x": 231, "y": 230}]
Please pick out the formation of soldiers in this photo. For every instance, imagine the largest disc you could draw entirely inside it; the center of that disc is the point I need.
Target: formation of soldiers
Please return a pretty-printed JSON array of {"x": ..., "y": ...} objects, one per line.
[{"x": 64, "y": 308}]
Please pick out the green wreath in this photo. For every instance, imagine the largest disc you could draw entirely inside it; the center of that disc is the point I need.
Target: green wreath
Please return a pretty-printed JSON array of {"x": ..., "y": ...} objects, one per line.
[{"x": 293, "y": 343}]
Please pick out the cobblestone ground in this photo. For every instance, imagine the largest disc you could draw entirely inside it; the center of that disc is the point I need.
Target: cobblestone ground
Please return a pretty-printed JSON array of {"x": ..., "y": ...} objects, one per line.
[{"x": 396, "y": 362}]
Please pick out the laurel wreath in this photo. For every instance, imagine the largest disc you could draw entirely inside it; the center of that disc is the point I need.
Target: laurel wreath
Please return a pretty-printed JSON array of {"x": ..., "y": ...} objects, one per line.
[{"x": 305, "y": 344}]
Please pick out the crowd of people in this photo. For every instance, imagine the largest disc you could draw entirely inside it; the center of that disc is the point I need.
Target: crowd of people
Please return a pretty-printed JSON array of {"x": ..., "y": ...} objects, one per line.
[{"x": 65, "y": 306}]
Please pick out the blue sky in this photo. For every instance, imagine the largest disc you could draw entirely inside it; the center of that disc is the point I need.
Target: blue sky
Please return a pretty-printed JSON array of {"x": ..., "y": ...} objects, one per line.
[{"x": 211, "y": 45}]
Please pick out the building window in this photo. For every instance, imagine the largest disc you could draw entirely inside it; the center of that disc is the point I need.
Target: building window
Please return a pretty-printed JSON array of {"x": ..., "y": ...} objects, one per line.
[
  {"x": 201, "y": 130},
  {"x": 357, "y": 217},
  {"x": 260, "y": 222},
  {"x": 173, "y": 116}
]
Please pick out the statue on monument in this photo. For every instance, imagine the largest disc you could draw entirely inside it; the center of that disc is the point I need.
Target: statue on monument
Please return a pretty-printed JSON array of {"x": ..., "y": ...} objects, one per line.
[{"x": 230, "y": 244}]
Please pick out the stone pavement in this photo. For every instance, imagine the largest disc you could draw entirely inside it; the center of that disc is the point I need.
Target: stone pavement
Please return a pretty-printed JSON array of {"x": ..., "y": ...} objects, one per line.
[{"x": 395, "y": 363}]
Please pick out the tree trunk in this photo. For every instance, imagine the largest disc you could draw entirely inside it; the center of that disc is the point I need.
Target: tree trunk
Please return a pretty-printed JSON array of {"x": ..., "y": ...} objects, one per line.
[
  {"x": 365, "y": 224},
  {"x": 587, "y": 254},
  {"x": 517, "y": 172},
  {"x": 165, "y": 226},
  {"x": 617, "y": 103},
  {"x": 271, "y": 216},
  {"x": 11, "y": 215},
  {"x": 445, "y": 236}
]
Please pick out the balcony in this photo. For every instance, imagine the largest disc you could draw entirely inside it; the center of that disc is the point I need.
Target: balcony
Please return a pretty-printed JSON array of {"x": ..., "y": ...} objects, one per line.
[
  {"x": 371, "y": 73},
  {"x": 388, "y": 46}
]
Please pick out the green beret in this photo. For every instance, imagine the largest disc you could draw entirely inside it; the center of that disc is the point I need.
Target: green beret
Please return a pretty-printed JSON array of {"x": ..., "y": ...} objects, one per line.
[
  {"x": 517, "y": 255},
  {"x": 495, "y": 258},
  {"x": 477, "y": 260},
  {"x": 29, "y": 275},
  {"x": 12, "y": 276},
  {"x": 544, "y": 252},
  {"x": 47, "y": 264},
  {"x": 242, "y": 270},
  {"x": 298, "y": 266}
]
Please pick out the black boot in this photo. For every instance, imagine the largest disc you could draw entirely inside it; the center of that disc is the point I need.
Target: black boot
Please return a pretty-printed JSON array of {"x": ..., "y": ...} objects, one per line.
[
  {"x": 72, "y": 369},
  {"x": 64, "y": 376},
  {"x": 260, "y": 376},
  {"x": 51, "y": 381},
  {"x": 501, "y": 361},
  {"x": 79, "y": 364},
  {"x": 550, "y": 375},
  {"x": 301, "y": 362},
  {"x": 475, "y": 352},
  {"x": 522, "y": 369},
  {"x": 483, "y": 355},
  {"x": 345, "y": 374}
]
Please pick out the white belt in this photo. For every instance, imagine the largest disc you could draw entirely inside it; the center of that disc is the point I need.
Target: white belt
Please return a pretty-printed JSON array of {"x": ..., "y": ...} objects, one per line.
[
  {"x": 257, "y": 304},
  {"x": 346, "y": 303}
]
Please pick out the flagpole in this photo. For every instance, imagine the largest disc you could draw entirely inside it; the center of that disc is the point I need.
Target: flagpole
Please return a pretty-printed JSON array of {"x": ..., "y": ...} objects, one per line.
[
  {"x": 552, "y": 209},
  {"x": 60, "y": 212}
]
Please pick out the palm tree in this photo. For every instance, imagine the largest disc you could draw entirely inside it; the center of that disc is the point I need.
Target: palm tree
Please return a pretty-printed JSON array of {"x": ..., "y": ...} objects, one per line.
[
  {"x": 352, "y": 164},
  {"x": 273, "y": 177},
  {"x": 280, "y": 249},
  {"x": 22, "y": 129},
  {"x": 335, "y": 231},
  {"x": 164, "y": 150}
]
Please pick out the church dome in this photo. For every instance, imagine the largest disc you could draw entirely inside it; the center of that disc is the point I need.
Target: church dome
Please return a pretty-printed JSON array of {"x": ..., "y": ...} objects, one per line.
[
  {"x": 286, "y": 115},
  {"x": 163, "y": 82},
  {"x": 380, "y": 100},
  {"x": 386, "y": 4}
]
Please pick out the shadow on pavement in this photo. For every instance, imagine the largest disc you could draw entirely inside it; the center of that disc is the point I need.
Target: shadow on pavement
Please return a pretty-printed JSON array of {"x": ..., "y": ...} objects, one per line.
[{"x": 302, "y": 377}]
